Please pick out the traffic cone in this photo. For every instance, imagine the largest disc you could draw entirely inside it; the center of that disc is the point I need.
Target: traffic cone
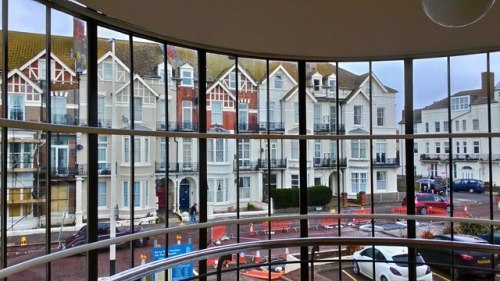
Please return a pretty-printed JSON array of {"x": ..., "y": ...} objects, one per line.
[
  {"x": 466, "y": 211},
  {"x": 257, "y": 258},
  {"x": 286, "y": 253},
  {"x": 251, "y": 233},
  {"x": 242, "y": 258},
  {"x": 143, "y": 259}
]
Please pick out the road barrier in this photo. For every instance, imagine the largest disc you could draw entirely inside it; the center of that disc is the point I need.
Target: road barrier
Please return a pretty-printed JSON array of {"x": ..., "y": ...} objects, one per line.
[{"x": 283, "y": 225}]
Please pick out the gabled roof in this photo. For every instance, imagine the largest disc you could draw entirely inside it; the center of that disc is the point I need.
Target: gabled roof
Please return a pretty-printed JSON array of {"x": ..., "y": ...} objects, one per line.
[
  {"x": 23, "y": 46},
  {"x": 475, "y": 99},
  {"x": 295, "y": 90},
  {"x": 29, "y": 81},
  {"x": 140, "y": 79},
  {"x": 417, "y": 117}
]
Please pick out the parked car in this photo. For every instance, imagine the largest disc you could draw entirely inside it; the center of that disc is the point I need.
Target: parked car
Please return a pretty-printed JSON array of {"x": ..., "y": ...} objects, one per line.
[
  {"x": 429, "y": 185},
  {"x": 487, "y": 237},
  {"x": 475, "y": 261},
  {"x": 103, "y": 232},
  {"x": 425, "y": 200},
  {"x": 470, "y": 185},
  {"x": 391, "y": 263}
]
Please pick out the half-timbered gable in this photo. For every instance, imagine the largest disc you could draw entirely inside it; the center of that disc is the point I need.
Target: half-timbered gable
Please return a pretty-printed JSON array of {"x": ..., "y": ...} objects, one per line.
[
  {"x": 35, "y": 69},
  {"x": 105, "y": 71}
]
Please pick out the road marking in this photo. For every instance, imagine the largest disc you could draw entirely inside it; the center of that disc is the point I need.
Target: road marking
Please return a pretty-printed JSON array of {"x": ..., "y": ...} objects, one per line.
[
  {"x": 441, "y": 276},
  {"x": 346, "y": 273}
]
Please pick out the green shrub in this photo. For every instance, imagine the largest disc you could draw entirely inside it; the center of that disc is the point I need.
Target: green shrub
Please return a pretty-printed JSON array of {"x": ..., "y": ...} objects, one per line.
[
  {"x": 319, "y": 195},
  {"x": 285, "y": 197},
  {"x": 251, "y": 207}
]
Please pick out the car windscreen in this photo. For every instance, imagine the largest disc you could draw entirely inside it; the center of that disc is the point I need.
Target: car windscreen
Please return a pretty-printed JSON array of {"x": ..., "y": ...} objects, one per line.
[{"x": 402, "y": 260}]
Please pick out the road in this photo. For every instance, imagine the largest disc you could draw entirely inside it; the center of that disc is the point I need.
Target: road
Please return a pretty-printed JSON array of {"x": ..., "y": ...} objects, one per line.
[{"x": 73, "y": 268}]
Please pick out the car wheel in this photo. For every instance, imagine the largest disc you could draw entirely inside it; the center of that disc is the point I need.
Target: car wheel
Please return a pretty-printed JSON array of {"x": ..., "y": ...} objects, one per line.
[
  {"x": 383, "y": 278},
  {"x": 423, "y": 211},
  {"x": 355, "y": 267},
  {"x": 471, "y": 190},
  {"x": 141, "y": 242}
]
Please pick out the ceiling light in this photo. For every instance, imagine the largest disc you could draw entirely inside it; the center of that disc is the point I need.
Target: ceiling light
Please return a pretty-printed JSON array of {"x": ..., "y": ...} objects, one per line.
[{"x": 456, "y": 13}]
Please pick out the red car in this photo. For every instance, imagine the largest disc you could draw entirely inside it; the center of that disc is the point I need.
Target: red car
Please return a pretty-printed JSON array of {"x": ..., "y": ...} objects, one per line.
[{"x": 425, "y": 200}]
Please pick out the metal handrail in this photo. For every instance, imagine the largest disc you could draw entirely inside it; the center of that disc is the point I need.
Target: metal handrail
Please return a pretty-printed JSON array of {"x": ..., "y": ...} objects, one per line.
[
  {"x": 164, "y": 264},
  {"x": 156, "y": 232}
]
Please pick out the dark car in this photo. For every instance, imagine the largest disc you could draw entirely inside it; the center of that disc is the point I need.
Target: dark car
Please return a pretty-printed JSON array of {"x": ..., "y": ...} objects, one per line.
[
  {"x": 475, "y": 261},
  {"x": 425, "y": 200},
  {"x": 103, "y": 232},
  {"x": 428, "y": 185},
  {"x": 470, "y": 185}
]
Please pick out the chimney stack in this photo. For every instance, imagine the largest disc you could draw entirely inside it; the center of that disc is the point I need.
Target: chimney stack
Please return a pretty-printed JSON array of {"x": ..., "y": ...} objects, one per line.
[{"x": 485, "y": 83}]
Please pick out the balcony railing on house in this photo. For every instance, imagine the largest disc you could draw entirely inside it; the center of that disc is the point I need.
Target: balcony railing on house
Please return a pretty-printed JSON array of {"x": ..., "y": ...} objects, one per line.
[
  {"x": 273, "y": 126},
  {"x": 62, "y": 171},
  {"x": 16, "y": 164},
  {"x": 246, "y": 165},
  {"x": 459, "y": 157},
  {"x": 176, "y": 126},
  {"x": 177, "y": 167},
  {"x": 329, "y": 128},
  {"x": 275, "y": 163},
  {"x": 101, "y": 123},
  {"x": 327, "y": 162},
  {"x": 385, "y": 162}
]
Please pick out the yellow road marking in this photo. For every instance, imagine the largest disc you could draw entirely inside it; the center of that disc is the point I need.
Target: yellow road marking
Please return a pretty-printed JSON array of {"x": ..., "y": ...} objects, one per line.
[
  {"x": 345, "y": 272},
  {"x": 441, "y": 276}
]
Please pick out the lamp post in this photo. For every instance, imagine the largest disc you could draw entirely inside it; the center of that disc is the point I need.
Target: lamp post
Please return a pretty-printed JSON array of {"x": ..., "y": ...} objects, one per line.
[{"x": 113, "y": 206}]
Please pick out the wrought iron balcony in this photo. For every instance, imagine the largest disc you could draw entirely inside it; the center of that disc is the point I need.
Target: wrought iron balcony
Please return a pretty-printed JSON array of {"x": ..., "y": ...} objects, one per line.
[
  {"x": 273, "y": 126},
  {"x": 245, "y": 165},
  {"x": 328, "y": 128},
  {"x": 327, "y": 162},
  {"x": 275, "y": 163},
  {"x": 174, "y": 167},
  {"x": 385, "y": 162}
]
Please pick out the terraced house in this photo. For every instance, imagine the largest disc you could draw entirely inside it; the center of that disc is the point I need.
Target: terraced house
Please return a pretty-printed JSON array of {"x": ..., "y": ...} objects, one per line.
[{"x": 239, "y": 99}]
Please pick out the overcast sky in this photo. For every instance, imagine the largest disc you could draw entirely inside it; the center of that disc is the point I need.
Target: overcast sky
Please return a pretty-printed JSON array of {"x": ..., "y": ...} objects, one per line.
[{"x": 430, "y": 75}]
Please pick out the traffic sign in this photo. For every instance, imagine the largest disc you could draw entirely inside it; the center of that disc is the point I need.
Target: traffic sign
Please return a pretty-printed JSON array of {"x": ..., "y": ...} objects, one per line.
[
  {"x": 183, "y": 271},
  {"x": 179, "y": 272}
]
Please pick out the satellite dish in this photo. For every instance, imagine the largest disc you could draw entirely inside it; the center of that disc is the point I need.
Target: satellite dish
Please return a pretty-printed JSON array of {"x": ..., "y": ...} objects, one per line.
[{"x": 456, "y": 13}]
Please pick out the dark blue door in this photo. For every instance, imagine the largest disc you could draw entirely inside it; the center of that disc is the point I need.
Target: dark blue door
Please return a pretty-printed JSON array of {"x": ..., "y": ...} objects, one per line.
[{"x": 184, "y": 195}]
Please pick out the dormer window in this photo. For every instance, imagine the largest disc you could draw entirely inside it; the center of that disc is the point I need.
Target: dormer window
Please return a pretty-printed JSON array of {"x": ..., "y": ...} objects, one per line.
[
  {"x": 232, "y": 80},
  {"x": 317, "y": 84},
  {"x": 278, "y": 82},
  {"x": 460, "y": 103},
  {"x": 187, "y": 78},
  {"x": 332, "y": 83}
]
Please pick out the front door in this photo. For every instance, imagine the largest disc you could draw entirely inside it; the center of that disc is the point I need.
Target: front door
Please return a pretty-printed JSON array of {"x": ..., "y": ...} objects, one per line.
[{"x": 184, "y": 195}]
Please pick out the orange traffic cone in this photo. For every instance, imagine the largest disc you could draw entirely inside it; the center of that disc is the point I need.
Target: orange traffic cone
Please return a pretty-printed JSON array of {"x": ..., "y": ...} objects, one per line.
[
  {"x": 286, "y": 253},
  {"x": 257, "y": 258},
  {"x": 251, "y": 233},
  {"x": 242, "y": 258}
]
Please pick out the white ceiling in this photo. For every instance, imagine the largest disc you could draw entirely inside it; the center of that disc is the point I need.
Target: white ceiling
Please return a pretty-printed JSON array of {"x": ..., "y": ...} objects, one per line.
[{"x": 307, "y": 29}]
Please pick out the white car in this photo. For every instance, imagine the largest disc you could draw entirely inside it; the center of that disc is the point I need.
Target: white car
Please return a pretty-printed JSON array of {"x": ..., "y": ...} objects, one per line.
[{"x": 391, "y": 263}]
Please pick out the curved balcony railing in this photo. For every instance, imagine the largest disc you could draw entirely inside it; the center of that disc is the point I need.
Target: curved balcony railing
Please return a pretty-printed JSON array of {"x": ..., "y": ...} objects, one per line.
[{"x": 203, "y": 254}]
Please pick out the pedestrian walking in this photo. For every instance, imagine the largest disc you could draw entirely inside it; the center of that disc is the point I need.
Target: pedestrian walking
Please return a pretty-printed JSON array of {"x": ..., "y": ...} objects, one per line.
[{"x": 192, "y": 213}]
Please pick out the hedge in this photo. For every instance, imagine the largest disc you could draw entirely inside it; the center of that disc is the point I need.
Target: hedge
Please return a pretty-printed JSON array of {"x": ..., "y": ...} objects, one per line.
[{"x": 318, "y": 195}]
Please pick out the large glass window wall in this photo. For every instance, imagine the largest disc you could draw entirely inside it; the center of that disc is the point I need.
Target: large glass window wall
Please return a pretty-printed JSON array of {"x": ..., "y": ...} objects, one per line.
[{"x": 140, "y": 134}]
